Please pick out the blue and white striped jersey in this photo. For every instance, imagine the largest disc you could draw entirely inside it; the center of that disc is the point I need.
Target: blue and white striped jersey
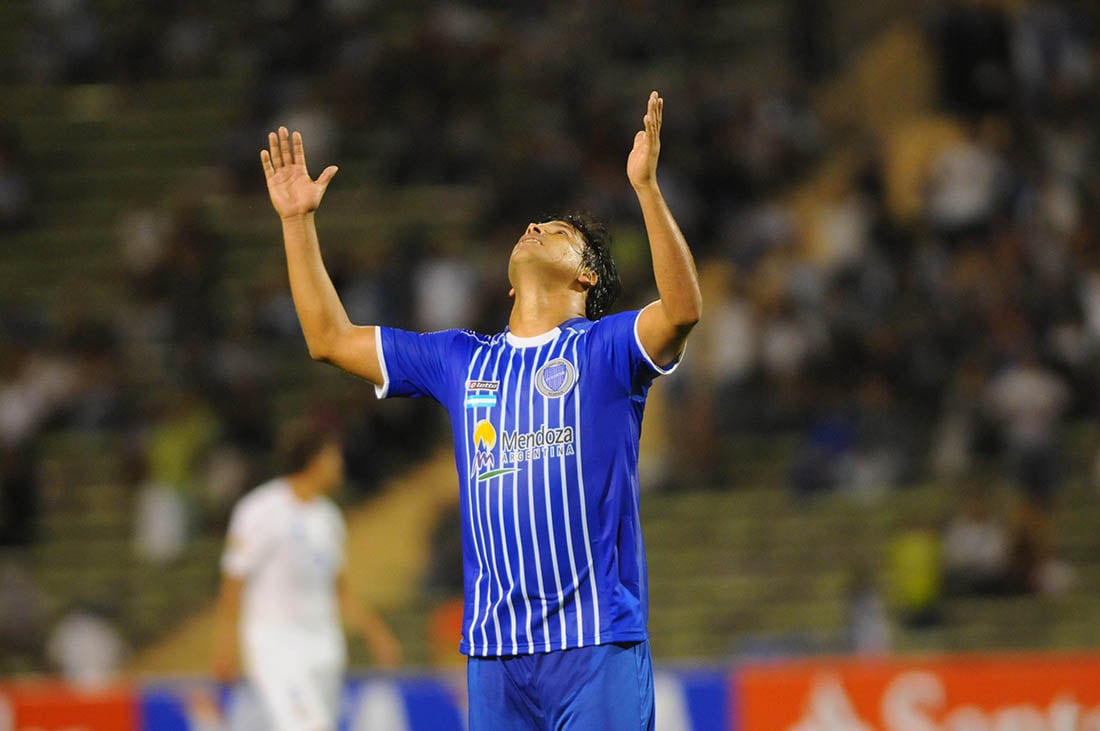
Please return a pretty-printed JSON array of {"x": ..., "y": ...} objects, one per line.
[{"x": 546, "y": 434}]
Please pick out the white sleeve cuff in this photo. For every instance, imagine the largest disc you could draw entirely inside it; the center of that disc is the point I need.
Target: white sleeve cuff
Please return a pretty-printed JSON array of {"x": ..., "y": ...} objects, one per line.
[
  {"x": 649, "y": 359},
  {"x": 381, "y": 390}
]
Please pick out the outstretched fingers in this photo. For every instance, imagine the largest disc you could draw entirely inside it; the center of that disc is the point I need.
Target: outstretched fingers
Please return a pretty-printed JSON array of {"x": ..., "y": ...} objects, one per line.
[
  {"x": 265, "y": 163},
  {"x": 326, "y": 175},
  {"x": 274, "y": 155},
  {"x": 284, "y": 147},
  {"x": 283, "y": 150},
  {"x": 299, "y": 150},
  {"x": 654, "y": 110}
]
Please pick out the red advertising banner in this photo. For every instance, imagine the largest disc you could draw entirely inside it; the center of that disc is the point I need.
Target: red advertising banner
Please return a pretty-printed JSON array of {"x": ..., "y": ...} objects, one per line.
[
  {"x": 964, "y": 693},
  {"x": 56, "y": 707}
]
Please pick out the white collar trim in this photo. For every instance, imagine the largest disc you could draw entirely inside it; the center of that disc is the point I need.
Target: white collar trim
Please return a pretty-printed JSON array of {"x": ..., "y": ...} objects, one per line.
[{"x": 517, "y": 342}]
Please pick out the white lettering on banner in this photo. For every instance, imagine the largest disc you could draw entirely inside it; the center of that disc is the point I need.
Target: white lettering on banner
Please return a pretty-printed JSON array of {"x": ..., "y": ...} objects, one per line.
[
  {"x": 7, "y": 715},
  {"x": 830, "y": 709},
  {"x": 1021, "y": 718},
  {"x": 967, "y": 717},
  {"x": 913, "y": 701},
  {"x": 907, "y": 701},
  {"x": 1064, "y": 714},
  {"x": 380, "y": 706}
]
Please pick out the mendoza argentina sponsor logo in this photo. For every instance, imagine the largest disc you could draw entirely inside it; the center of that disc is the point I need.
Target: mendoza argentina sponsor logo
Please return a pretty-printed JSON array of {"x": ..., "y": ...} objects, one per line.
[
  {"x": 524, "y": 446},
  {"x": 517, "y": 447}
]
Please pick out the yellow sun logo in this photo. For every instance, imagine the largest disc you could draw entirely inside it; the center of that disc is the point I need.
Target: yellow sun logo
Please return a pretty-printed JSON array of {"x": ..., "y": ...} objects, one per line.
[{"x": 485, "y": 434}]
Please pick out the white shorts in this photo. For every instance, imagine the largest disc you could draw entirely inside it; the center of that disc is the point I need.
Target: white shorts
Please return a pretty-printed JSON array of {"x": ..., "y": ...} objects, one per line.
[{"x": 298, "y": 676}]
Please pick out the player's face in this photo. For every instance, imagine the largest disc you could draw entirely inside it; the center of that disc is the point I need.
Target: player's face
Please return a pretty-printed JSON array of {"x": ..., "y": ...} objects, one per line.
[{"x": 553, "y": 243}]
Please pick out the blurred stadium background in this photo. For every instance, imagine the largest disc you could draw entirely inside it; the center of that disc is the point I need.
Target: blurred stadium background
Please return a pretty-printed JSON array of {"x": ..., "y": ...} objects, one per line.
[{"x": 883, "y": 439}]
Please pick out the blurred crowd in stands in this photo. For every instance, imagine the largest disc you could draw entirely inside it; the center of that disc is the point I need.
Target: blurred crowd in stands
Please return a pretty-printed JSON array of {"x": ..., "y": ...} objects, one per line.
[{"x": 949, "y": 336}]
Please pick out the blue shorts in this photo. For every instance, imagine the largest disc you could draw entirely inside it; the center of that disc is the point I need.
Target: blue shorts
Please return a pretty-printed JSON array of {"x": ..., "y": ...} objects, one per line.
[{"x": 602, "y": 688}]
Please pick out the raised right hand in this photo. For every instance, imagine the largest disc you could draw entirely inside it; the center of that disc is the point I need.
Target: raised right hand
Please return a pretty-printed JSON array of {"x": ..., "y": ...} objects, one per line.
[{"x": 293, "y": 193}]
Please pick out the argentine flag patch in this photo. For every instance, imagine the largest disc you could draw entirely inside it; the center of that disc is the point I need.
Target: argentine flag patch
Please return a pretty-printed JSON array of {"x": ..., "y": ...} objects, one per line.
[{"x": 481, "y": 400}]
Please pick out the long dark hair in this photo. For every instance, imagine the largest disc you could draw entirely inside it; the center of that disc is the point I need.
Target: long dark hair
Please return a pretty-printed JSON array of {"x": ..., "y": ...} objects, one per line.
[{"x": 597, "y": 257}]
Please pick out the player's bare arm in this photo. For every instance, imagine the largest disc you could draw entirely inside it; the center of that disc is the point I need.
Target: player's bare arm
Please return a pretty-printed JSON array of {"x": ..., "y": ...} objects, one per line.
[
  {"x": 663, "y": 326},
  {"x": 226, "y": 661},
  {"x": 330, "y": 336},
  {"x": 383, "y": 644}
]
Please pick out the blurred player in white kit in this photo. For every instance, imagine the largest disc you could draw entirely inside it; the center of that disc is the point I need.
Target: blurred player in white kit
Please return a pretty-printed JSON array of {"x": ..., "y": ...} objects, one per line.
[{"x": 283, "y": 590}]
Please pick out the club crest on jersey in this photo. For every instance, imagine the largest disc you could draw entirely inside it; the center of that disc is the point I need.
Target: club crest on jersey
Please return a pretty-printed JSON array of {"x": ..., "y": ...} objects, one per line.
[{"x": 555, "y": 378}]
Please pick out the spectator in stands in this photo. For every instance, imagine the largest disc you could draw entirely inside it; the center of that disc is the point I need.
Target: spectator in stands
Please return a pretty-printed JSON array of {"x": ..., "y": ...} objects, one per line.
[
  {"x": 961, "y": 431},
  {"x": 19, "y": 496},
  {"x": 64, "y": 43},
  {"x": 239, "y": 380},
  {"x": 867, "y": 630},
  {"x": 445, "y": 287},
  {"x": 161, "y": 522},
  {"x": 188, "y": 42},
  {"x": 1029, "y": 547},
  {"x": 1050, "y": 53},
  {"x": 972, "y": 41},
  {"x": 15, "y": 186},
  {"x": 1027, "y": 401},
  {"x": 976, "y": 547},
  {"x": 825, "y": 453},
  {"x": 194, "y": 251},
  {"x": 45, "y": 377},
  {"x": 915, "y": 569},
  {"x": 966, "y": 187},
  {"x": 86, "y": 647},
  {"x": 791, "y": 341},
  {"x": 884, "y": 442},
  {"x": 179, "y": 442},
  {"x": 103, "y": 402},
  {"x": 22, "y": 615}
]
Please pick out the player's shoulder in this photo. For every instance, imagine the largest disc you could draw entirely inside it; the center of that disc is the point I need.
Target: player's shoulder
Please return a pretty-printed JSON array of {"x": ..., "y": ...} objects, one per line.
[
  {"x": 477, "y": 337},
  {"x": 472, "y": 339},
  {"x": 455, "y": 334},
  {"x": 454, "y": 342},
  {"x": 269, "y": 496},
  {"x": 606, "y": 325},
  {"x": 331, "y": 510}
]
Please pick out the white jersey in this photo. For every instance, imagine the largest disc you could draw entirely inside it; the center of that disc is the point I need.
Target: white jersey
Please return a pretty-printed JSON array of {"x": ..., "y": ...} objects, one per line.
[{"x": 289, "y": 553}]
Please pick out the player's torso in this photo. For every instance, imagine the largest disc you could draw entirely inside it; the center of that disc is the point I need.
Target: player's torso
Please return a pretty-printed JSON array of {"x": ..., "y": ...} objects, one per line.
[
  {"x": 297, "y": 578},
  {"x": 536, "y": 523}
]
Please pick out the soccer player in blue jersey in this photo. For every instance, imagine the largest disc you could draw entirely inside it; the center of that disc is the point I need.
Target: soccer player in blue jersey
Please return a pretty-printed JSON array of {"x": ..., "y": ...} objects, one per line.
[{"x": 546, "y": 418}]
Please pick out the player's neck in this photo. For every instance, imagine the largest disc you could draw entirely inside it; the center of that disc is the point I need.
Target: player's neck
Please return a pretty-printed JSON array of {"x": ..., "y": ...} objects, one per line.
[
  {"x": 303, "y": 488},
  {"x": 538, "y": 311}
]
